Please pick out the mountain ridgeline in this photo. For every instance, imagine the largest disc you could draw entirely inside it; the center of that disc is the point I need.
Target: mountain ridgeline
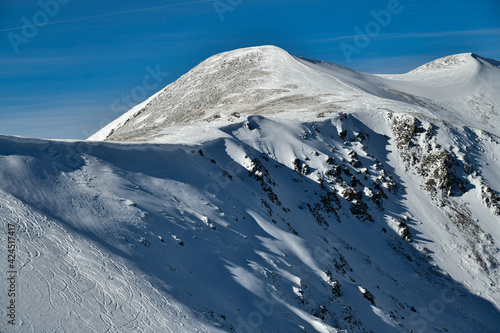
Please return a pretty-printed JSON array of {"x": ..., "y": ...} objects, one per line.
[{"x": 263, "y": 192}]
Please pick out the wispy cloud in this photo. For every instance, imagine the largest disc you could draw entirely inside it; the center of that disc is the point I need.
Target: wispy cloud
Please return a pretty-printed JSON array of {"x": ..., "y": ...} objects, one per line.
[
  {"x": 68, "y": 119},
  {"x": 13, "y": 105},
  {"x": 55, "y": 123},
  {"x": 391, "y": 65},
  {"x": 46, "y": 60},
  {"x": 113, "y": 14},
  {"x": 438, "y": 34}
]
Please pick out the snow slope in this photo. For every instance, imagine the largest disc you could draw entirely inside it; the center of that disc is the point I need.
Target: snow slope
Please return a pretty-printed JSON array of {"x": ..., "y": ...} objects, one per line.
[
  {"x": 349, "y": 208},
  {"x": 267, "y": 80}
]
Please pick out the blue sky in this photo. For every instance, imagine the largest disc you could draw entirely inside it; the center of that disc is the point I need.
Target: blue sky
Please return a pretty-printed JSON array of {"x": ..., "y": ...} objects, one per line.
[{"x": 65, "y": 77}]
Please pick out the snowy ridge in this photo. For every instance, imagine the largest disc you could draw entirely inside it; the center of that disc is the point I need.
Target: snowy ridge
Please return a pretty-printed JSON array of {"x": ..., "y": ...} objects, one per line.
[
  {"x": 457, "y": 60},
  {"x": 267, "y": 80},
  {"x": 446, "y": 63},
  {"x": 345, "y": 202},
  {"x": 326, "y": 225}
]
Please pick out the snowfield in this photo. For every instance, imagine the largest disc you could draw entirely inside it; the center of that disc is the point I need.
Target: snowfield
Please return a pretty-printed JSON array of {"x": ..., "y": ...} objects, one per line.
[{"x": 263, "y": 192}]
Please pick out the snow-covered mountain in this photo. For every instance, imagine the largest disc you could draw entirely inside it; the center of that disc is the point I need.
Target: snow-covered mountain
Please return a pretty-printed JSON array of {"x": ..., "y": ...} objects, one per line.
[
  {"x": 267, "y": 81},
  {"x": 263, "y": 192}
]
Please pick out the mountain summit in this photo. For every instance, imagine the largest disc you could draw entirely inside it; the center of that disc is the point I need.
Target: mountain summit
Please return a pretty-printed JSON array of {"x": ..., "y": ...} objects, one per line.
[
  {"x": 457, "y": 60},
  {"x": 268, "y": 80},
  {"x": 262, "y": 192}
]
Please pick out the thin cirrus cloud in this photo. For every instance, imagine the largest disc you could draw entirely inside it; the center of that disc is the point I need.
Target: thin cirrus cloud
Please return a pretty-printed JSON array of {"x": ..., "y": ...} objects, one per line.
[
  {"x": 112, "y": 14},
  {"x": 53, "y": 119},
  {"x": 46, "y": 60},
  {"x": 477, "y": 32},
  {"x": 392, "y": 65}
]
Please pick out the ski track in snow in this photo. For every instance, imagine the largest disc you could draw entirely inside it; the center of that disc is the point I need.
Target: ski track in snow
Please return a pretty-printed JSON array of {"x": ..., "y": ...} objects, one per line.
[{"x": 74, "y": 283}]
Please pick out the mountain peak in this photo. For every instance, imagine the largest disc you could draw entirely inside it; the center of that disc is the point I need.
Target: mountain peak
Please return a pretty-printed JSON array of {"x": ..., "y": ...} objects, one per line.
[
  {"x": 457, "y": 60},
  {"x": 235, "y": 81},
  {"x": 251, "y": 56},
  {"x": 446, "y": 63},
  {"x": 262, "y": 49},
  {"x": 267, "y": 80},
  {"x": 283, "y": 195}
]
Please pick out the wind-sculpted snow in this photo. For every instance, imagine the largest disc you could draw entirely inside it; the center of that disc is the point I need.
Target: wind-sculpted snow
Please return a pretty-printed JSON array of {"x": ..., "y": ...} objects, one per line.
[
  {"x": 462, "y": 88},
  {"x": 275, "y": 224},
  {"x": 263, "y": 192}
]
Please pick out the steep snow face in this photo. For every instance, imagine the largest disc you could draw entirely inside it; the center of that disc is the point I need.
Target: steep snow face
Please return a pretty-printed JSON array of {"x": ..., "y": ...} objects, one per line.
[
  {"x": 274, "y": 194},
  {"x": 266, "y": 80},
  {"x": 380, "y": 222}
]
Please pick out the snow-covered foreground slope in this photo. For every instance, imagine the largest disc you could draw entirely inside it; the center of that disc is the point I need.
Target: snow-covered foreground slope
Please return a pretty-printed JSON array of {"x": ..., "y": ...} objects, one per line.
[
  {"x": 69, "y": 283},
  {"x": 274, "y": 225},
  {"x": 273, "y": 194}
]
